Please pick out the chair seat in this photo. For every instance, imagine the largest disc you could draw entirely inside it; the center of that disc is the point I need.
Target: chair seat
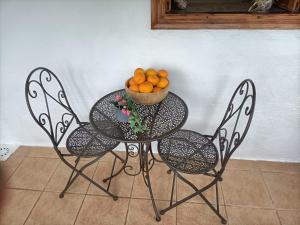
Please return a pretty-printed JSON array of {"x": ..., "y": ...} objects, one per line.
[
  {"x": 86, "y": 142},
  {"x": 188, "y": 152}
]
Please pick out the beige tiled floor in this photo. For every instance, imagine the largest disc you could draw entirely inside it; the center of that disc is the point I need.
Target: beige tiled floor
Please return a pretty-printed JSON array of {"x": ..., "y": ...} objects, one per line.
[{"x": 252, "y": 193}]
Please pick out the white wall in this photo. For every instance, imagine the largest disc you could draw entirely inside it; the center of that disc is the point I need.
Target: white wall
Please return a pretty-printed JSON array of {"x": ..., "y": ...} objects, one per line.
[{"x": 95, "y": 45}]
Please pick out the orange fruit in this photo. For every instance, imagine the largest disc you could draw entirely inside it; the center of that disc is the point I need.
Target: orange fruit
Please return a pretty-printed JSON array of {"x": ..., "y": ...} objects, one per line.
[
  {"x": 153, "y": 79},
  {"x": 131, "y": 82},
  {"x": 134, "y": 88},
  {"x": 146, "y": 87},
  {"x": 139, "y": 78},
  {"x": 156, "y": 89},
  {"x": 163, "y": 82},
  {"x": 151, "y": 72},
  {"x": 139, "y": 70},
  {"x": 163, "y": 73}
]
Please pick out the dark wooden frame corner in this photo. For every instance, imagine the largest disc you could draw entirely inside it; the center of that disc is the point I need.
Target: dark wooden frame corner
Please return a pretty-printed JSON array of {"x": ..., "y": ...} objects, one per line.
[{"x": 161, "y": 19}]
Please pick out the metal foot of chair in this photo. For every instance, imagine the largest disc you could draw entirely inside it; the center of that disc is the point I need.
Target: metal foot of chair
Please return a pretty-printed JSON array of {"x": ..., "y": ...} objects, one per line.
[
  {"x": 61, "y": 195},
  {"x": 158, "y": 219},
  {"x": 115, "y": 198},
  {"x": 169, "y": 171},
  {"x": 162, "y": 212},
  {"x": 223, "y": 221}
]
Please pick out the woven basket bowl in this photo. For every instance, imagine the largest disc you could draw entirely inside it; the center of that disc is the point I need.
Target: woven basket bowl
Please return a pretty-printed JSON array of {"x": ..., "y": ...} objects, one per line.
[{"x": 147, "y": 98}]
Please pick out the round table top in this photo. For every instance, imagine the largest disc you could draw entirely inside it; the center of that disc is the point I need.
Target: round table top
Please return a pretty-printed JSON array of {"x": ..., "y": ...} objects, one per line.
[{"x": 162, "y": 119}]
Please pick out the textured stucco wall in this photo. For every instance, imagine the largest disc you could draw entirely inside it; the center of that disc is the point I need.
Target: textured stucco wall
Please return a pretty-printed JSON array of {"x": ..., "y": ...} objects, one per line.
[{"x": 95, "y": 45}]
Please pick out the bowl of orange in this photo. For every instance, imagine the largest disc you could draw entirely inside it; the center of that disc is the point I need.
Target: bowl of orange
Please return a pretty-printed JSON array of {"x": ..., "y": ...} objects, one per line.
[{"x": 148, "y": 87}]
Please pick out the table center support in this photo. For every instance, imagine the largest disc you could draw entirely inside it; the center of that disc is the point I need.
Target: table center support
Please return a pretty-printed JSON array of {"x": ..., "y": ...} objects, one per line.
[{"x": 142, "y": 151}]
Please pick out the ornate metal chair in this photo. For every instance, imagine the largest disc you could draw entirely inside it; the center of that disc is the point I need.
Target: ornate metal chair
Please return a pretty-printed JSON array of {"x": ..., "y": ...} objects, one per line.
[
  {"x": 49, "y": 107},
  {"x": 192, "y": 153}
]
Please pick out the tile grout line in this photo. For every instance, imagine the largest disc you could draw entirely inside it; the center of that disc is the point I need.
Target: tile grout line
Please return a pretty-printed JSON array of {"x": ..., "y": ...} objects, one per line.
[
  {"x": 80, "y": 207},
  {"x": 99, "y": 195},
  {"x": 56, "y": 168},
  {"x": 278, "y": 217},
  {"x": 84, "y": 197},
  {"x": 280, "y": 172},
  {"x": 267, "y": 188},
  {"x": 265, "y": 183},
  {"x": 42, "y": 192},
  {"x": 33, "y": 207},
  {"x": 8, "y": 178}
]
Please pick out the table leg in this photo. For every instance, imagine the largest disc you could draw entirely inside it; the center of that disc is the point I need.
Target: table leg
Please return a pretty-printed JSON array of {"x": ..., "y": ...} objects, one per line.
[
  {"x": 152, "y": 155},
  {"x": 143, "y": 150},
  {"x": 145, "y": 172}
]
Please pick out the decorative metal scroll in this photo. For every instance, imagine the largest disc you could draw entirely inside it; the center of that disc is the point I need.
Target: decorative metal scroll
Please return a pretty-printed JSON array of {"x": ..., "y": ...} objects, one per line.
[
  {"x": 45, "y": 97},
  {"x": 237, "y": 120}
]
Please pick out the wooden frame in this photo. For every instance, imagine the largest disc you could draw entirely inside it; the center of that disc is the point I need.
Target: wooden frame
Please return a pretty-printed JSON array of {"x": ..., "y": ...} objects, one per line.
[{"x": 161, "y": 19}]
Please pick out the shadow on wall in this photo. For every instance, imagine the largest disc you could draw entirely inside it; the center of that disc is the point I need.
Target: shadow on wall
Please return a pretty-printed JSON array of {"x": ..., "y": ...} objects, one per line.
[{"x": 77, "y": 90}]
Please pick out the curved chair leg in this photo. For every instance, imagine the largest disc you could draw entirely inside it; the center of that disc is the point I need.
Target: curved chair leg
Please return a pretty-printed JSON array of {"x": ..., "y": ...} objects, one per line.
[
  {"x": 116, "y": 155},
  {"x": 199, "y": 193},
  {"x": 71, "y": 179},
  {"x": 115, "y": 174}
]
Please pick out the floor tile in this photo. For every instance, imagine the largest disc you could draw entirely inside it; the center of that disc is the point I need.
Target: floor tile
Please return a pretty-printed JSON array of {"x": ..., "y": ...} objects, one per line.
[
  {"x": 197, "y": 214},
  {"x": 245, "y": 188},
  {"x": 59, "y": 179},
  {"x": 33, "y": 173},
  {"x": 22, "y": 151},
  {"x": 109, "y": 157},
  {"x": 141, "y": 212},
  {"x": 238, "y": 164},
  {"x": 17, "y": 206},
  {"x": 268, "y": 166},
  {"x": 256, "y": 193},
  {"x": 183, "y": 190},
  {"x": 161, "y": 183},
  {"x": 284, "y": 189},
  {"x": 101, "y": 210},
  {"x": 251, "y": 216},
  {"x": 289, "y": 217},
  {"x": 121, "y": 185},
  {"x": 50, "y": 209},
  {"x": 44, "y": 152},
  {"x": 11, "y": 164}
]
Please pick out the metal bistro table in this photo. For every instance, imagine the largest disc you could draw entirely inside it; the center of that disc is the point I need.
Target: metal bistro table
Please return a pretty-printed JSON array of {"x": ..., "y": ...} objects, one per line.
[{"x": 162, "y": 119}]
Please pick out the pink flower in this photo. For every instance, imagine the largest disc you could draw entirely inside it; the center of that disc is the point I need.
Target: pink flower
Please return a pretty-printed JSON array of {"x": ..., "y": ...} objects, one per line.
[
  {"x": 124, "y": 111},
  {"x": 118, "y": 97},
  {"x": 123, "y": 101}
]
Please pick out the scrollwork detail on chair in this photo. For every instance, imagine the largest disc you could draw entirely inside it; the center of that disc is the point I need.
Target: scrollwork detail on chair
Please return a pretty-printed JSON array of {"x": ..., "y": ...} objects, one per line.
[
  {"x": 240, "y": 110},
  {"x": 38, "y": 84},
  {"x": 62, "y": 126}
]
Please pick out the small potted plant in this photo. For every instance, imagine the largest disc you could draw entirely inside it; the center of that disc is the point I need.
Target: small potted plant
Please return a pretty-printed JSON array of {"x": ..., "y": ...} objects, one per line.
[{"x": 126, "y": 112}]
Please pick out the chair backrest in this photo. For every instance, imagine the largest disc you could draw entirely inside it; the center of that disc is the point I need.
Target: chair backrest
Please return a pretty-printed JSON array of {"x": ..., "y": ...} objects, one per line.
[
  {"x": 48, "y": 104},
  {"x": 236, "y": 122}
]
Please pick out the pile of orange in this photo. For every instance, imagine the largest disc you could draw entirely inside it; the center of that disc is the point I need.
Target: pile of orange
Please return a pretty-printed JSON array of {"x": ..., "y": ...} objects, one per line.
[{"x": 148, "y": 81}]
